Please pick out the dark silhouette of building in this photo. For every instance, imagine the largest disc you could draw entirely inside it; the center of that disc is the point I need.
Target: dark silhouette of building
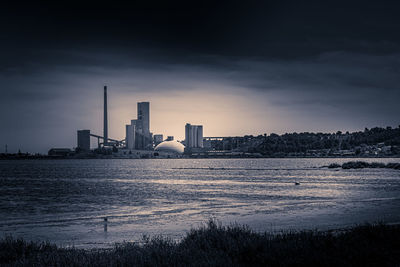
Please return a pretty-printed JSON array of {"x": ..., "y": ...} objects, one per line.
[
  {"x": 138, "y": 135},
  {"x": 143, "y": 113},
  {"x": 130, "y": 136},
  {"x": 84, "y": 140}
]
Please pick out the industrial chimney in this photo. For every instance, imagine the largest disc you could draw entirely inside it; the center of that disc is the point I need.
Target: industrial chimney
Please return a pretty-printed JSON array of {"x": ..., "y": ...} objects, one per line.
[{"x": 105, "y": 127}]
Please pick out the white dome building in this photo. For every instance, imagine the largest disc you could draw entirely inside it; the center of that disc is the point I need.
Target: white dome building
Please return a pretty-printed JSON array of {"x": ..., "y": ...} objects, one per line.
[{"x": 170, "y": 146}]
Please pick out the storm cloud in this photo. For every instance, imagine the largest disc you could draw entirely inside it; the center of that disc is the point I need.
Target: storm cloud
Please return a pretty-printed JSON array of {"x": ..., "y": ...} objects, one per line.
[{"x": 287, "y": 65}]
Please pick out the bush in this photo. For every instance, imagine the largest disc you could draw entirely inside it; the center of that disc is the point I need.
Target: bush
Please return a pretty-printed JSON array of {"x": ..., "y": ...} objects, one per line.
[
  {"x": 355, "y": 165},
  {"x": 377, "y": 165},
  {"x": 334, "y": 165},
  {"x": 216, "y": 245},
  {"x": 362, "y": 164}
]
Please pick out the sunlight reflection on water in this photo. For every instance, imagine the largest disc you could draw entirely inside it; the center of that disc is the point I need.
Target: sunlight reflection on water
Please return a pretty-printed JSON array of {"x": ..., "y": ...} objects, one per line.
[{"x": 65, "y": 201}]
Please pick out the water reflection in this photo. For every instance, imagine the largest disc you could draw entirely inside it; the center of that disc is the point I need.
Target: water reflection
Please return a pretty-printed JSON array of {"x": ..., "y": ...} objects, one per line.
[{"x": 66, "y": 200}]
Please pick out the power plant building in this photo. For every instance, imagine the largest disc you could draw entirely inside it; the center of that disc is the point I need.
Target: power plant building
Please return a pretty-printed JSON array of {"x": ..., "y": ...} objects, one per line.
[
  {"x": 171, "y": 147},
  {"x": 138, "y": 135},
  {"x": 130, "y": 136},
  {"x": 84, "y": 140},
  {"x": 193, "y": 136},
  {"x": 158, "y": 138},
  {"x": 138, "y": 126},
  {"x": 143, "y": 113}
]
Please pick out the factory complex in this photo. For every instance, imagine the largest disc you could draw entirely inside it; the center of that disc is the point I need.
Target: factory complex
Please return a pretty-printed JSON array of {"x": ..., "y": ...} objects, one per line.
[{"x": 139, "y": 141}]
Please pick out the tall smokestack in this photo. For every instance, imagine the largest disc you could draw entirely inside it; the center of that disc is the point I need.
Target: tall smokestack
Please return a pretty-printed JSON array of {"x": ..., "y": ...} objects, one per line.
[{"x": 105, "y": 127}]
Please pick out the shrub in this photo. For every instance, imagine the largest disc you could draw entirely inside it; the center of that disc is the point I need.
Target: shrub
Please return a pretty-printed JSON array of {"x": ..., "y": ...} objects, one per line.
[
  {"x": 334, "y": 165},
  {"x": 217, "y": 245}
]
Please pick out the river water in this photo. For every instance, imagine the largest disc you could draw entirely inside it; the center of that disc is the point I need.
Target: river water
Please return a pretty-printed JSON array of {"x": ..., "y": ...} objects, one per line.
[{"x": 65, "y": 201}]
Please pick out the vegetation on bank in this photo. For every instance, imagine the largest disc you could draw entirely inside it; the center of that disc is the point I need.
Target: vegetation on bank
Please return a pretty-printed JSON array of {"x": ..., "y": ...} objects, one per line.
[
  {"x": 216, "y": 245},
  {"x": 363, "y": 164},
  {"x": 368, "y": 143}
]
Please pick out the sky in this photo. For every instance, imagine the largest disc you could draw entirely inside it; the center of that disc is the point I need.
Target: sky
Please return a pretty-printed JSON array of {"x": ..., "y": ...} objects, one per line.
[{"x": 235, "y": 67}]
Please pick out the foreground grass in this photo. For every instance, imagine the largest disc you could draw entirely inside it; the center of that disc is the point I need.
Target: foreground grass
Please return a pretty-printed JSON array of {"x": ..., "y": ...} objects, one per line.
[{"x": 215, "y": 245}]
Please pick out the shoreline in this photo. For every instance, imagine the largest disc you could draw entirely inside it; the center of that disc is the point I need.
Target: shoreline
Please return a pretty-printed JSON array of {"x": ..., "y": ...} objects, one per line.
[{"x": 45, "y": 157}]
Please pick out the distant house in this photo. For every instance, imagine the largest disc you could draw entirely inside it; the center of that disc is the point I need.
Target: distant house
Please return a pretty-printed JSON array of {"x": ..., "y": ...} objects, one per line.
[{"x": 61, "y": 152}]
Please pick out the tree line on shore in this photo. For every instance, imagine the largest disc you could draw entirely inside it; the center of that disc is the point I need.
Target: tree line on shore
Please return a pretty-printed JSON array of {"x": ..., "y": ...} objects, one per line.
[{"x": 387, "y": 138}]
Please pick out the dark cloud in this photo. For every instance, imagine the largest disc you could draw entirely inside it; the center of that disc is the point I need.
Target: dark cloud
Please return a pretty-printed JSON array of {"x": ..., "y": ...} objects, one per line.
[
  {"x": 174, "y": 32},
  {"x": 334, "y": 61},
  {"x": 232, "y": 28}
]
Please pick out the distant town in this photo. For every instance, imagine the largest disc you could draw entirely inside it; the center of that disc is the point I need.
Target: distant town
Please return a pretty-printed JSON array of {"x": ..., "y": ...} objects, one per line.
[{"x": 140, "y": 142}]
